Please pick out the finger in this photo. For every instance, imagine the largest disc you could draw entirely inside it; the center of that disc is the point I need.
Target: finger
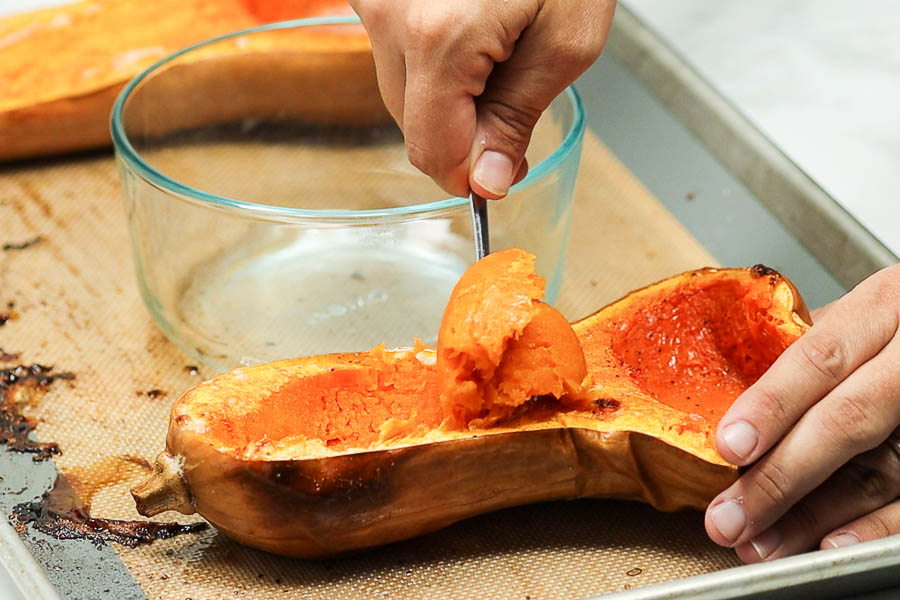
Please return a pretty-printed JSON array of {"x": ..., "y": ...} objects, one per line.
[
  {"x": 390, "y": 70},
  {"x": 819, "y": 313},
  {"x": 867, "y": 483},
  {"x": 811, "y": 367},
  {"x": 550, "y": 54},
  {"x": 523, "y": 171},
  {"x": 855, "y": 417},
  {"x": 881, "y": 523},
  {"x": 448, "y": 61},
  {"x": 439, "y": 132},
  {"x": 390, "y": 67}
]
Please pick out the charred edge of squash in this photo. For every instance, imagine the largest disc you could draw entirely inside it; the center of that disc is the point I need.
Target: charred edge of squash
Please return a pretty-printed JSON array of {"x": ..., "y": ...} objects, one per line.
[{"x": 800, "y": 311}]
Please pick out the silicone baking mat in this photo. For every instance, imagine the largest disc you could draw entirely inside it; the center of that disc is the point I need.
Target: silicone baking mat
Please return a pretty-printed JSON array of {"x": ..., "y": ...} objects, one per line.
[{"x": 74, "y": 304}]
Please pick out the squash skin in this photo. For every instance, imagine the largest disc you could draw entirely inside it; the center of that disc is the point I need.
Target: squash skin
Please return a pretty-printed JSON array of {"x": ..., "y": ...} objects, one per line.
[
  {"x": 75, "y": 116},
  {"x": 323, "y": 505}
]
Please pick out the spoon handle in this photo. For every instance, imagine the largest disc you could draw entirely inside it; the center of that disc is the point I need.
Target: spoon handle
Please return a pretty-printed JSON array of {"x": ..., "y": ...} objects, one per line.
[{"x": 480, "y": 225}]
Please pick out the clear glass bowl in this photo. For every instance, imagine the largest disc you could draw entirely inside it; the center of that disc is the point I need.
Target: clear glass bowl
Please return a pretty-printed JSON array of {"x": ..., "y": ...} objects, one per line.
[{"x": 273, "y": 211}]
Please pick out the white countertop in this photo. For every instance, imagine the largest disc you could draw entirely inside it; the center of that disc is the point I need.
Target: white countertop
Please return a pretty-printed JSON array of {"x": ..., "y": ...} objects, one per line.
[{"x": 821, "y": 78}]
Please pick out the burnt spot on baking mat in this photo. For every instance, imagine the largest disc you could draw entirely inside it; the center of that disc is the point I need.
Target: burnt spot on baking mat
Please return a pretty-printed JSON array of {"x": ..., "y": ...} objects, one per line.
[
  {"x": 61, "y": 514},
  {"x": 10, "y": 246},
  {"x": 19, "y": 386}
]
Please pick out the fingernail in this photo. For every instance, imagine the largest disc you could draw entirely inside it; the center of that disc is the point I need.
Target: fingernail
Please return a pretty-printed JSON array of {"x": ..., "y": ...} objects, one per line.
[
  {"x": 842, "y": 539},
  {"x": 729, "y": 518},
  {"x": 766, "y": 543},
  {"x": 494, "y": 172},
  {"x": 741, "y": 438}
]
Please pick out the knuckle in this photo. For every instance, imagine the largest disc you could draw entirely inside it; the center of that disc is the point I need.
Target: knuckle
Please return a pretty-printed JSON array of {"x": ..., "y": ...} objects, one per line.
[
  {"x": 878, "y": 526},
  {"x": 804, "y": 519},
  {"x": 426, "y": 29},
  {"x": 772, "y": 481},
  {"x": 579, "y": 54},
  {"x": 377, "y": 15},
  {"x": 421, "y": 158},
  {"x": 508, "y": 33},
  {"x": 882, "y": 292},
  {"x": 510, "y": 125},
  {"x": 826, "y": 354},
  {"x": 770, "y": 405},
  {"x": 871, "y": 483},
  {"x": 886, "y": 293},
  {"x": 473, "y": 72},
  {"x": 851, "y": 423}
]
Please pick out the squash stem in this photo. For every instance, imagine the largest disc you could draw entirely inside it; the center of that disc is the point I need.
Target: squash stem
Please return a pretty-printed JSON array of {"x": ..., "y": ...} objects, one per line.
[{"x": 164, "y": 490}]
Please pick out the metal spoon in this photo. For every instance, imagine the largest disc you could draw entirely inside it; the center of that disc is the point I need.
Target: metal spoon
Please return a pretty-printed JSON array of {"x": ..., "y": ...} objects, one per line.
[{"x": 480, "y": 225}]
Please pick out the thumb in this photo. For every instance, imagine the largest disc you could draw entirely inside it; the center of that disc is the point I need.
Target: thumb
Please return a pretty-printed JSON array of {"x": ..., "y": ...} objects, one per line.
[
  {"x": 502, "y": 135},
  {"x": 549, "y": 56}
]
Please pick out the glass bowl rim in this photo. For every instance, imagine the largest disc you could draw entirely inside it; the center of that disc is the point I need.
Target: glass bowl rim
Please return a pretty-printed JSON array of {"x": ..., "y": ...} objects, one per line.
[{"x": 133, "y": 160}]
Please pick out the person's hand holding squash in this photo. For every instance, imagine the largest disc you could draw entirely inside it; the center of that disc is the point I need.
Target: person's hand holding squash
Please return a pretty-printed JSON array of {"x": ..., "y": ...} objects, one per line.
[
  {"x": 821, "y": 427},
  {"x": 467, "y": 80}
]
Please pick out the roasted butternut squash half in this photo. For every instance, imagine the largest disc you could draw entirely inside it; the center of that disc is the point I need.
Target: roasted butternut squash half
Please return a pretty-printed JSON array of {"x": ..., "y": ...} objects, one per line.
[
  {"x": 321, "y": 455},
  {"x": 61, "y": 68}
]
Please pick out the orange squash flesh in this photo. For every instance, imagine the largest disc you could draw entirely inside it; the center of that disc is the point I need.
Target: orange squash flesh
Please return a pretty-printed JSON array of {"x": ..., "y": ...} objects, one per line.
[
  {"x": 499, "y": 345},
  {"x": 545, "y": 360},
  {"x": 371, "y": 396},
  {"x": 62, "y": 67},
  {"x": 696, "y": 341},
  {"x": 322, "y": 455}
]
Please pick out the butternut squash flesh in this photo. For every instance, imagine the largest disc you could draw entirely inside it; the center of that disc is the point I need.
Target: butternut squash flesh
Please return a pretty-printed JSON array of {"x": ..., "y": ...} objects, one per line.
[
  {"x": 696, "y": 341},
  {"x": 365, "y": 400},
  {"x": 499, "y": 345},
  {"x": 321, "y": 455}
]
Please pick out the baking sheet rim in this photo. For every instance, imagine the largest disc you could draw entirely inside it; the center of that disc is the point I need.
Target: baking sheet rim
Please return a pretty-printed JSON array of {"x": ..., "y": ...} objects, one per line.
[
  {"x": 779, "y": 575},
  {"x": 22, "y": 567}
]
